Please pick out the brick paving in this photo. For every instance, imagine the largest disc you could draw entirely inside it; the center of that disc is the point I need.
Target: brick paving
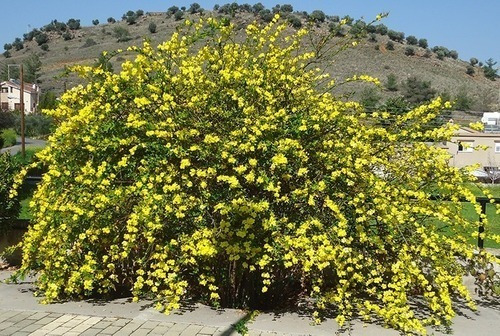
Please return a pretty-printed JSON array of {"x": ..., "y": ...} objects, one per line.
[{"x": 23, "y": 323}]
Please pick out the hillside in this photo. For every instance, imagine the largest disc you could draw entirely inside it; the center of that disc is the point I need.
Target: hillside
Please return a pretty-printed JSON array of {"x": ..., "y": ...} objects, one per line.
[{"x": 371, "y": 56}]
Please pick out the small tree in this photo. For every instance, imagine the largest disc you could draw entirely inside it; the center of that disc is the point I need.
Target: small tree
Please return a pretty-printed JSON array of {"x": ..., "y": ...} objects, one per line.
[
  {"x": 18, "y": 44},
  {"x": 7, "y": 46},
  {"x": 382, "y": 29},
  {"x": 122, "y": 34},
  {"x": 317, "y": 16},
  {"x": 95, "y": 22},
  {"x": 45, "y": 47},
  {"x": 194, "y": 8},
  {"x": 67, "y": 36},
  {"x": 473, "y": 61},
  {"x": 178, "y": 15},
  {"x": 391, "y": 83},
  {"x": 152, "y": 27},
  {"x": 453, "y": 54},
  {"x": 73, "y": 24},
  {"x": 489, "y": 70},
  {"x": 286, "y": 8},
  {"x": 139, "y": 13},
  {"x": 389, "y": 45},
  {"x": 409, "y": 51},
  {"x": 42, "y": 38},
  {"x": 412, "y": 40},
  {"x": 172, "y": 10},
  {"x": 111, "y": 20},
  {"x": 294, "y": 21},
  {"x": 470, "y": 70},
  {"x": 418, "y": 91},
  {"x": 422, "y": 43}
]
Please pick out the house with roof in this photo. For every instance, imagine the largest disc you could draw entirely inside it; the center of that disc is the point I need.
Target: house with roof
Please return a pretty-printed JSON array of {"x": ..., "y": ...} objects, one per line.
[
  {"x": 464, "y": 151},
  {"x": 10, "y": 96}
]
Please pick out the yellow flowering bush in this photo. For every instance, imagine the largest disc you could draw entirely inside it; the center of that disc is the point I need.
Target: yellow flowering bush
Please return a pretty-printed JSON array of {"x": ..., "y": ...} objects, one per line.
[{"x": 216, "y": 166}]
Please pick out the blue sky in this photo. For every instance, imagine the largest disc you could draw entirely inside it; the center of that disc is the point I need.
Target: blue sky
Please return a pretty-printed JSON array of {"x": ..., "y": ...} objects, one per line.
[{"x": 470, "y": 27}]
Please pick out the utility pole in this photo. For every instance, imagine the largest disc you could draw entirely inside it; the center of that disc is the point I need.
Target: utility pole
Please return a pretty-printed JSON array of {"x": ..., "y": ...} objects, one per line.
[{"x": 23, "y": 140}]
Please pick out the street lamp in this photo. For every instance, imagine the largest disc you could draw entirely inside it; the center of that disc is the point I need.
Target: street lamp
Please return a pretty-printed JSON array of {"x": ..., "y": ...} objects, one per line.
[{"x": 21, "y": 98}]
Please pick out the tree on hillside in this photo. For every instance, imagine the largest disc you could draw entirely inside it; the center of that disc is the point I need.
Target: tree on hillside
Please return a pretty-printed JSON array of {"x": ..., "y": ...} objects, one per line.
[
  {"x": 73, "y": 24},
  {"x": 122, "y": 34},
  {"x": 95, "y": 22},
  {"x": 422, "y": 43},
  {"x": 473, "y": 61},
  {"x": 195, "y": 8},
  {"x": 42, "y": 38},
  {"x": 152, "y": 27},
  {"x": 32, "y": 67},
  {"x": 412, "y": 40},
  {"x": 18, "y": 44},
  {"x": 111, "y": 20},
  {"x": 392, "y": 82},
  {"x": 48, "y": 100},
  {"x": 381, "y": 29},
  {"x": 317, "y": 16},
  {"x": 417, "y": 91},
  {"x": 489, "y": 70}
]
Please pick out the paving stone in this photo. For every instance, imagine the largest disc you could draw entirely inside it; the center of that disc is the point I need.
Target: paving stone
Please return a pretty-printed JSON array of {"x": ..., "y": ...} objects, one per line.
[
  {"x": 150, "y": 324},
  {"x": 101, "y": 325},
  {"x": 91, "y": 332},
  {"x": 9, "y": 331},
  {"x": 166, "y": 324},
  {"x": 55, "y": 315},
  {"x": 39, "y": 333},
  {"x": 20, "y": 333},
  {"x": 141, "y": 332},
  {"x": 81, "y": 328},
  {"x": 5, "y": 325},
  {"x": 24, "y": 323},
  {"x": 109, "y": 319},
  {"x": 5, "y": 315},
  {"x": 46, "y": 320},
  {"x": 120, "y": 323},
  {"x": 38, "y": 316},
  {"x": 179, "y": 327},
  {"x": 60, "y": 331},
  {"x": 191, "y": 330},
  {"x": 159, "y": 330},
  {"x": 207, "y": 331},
  {"x": 18, "y": 317},
  {"x": 110, "y": 330},
  {"x": 32, "y": 327}
]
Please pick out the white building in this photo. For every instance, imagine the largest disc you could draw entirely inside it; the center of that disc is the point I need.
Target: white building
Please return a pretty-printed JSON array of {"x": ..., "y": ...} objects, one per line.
[{"x": 10, "y": 96}]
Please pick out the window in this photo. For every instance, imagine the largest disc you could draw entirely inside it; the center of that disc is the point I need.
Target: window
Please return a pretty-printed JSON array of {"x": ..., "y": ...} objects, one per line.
[
  {"x": 5, "y": 90},
  {"x": 497, "y": 147},
  {"x": 465, "y": 146}
]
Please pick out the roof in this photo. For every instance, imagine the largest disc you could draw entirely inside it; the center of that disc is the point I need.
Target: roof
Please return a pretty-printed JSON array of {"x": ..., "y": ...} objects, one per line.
[{"x": 28, "y": 87}]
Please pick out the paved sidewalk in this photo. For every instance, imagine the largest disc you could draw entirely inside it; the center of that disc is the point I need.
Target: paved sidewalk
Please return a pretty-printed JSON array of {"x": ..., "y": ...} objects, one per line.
[{"x": 21, "y": 314}]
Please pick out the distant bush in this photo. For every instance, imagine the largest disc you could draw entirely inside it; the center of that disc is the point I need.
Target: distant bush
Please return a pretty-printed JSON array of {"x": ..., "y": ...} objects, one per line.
[
  {"x": 287, "y": 8},
  {"x": 42, "y": 38},
  {"x": 95, "y": 22},
  {"x": 389, "y": 45},
  {"x": 266, "y": 15},
  {"x": 417, "y": 91},
  {"x": 89, "y": 43},
  {"x": 45, "y": 47},
  {"x": 48, "y": 100},
  {"x": 412, "y": 40},
  {"x": 373, "y": 37},
  {"x": 9, "y": 207},
  {"x": 73, "y": 24},
  {"x": 382, "y": 29},
  {"x": 453, "y": 54},
  {"x": 67, "y": 36},
  {"x": 174, "y": 9},
  {"x": 9, "y": 137},
  {"x": 358, "y": 28},
  {"x": 463, "y": 101},
  {"x": 428, "y": 53},
  {"x": 409, "y": 51},
  {"x": 470, "y": 70},
  {"x": 489, "y": 70},
  {"x": 111, "y": 20},
  {"x": 195, "y": 8},
  {"x": 473, "y": 61},
  {"x": 7, "y": 46},
  {"x": 130, "y": 17},
  {"x": 369, "y": 98},
  {"x": 37, "y": 125},
  {"x": 396, "y": 36},
  {"x": 6, "y": 54},
  {"x": 371, "y": 29},
  {"x": 422, "y": 43},
  {"x": 152, "y": 27},
  {"x": 18, "y": 44},
  {"x": 139, "y": 13},
  {"x": 317, "y": 16},
  {"x": 7, "y": 119},
  {"x": 178, "y": 15},
  {"x": 392, "y": 83},
  {"x": 294, "y": 21},
  {"x": 258, "y": 7},
  {"x": 122, "y": 34}
]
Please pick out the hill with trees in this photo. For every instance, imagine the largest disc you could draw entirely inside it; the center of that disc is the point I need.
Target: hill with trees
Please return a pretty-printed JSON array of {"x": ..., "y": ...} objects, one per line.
[{"x": 380, "y": 51}]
